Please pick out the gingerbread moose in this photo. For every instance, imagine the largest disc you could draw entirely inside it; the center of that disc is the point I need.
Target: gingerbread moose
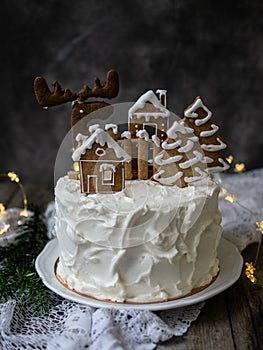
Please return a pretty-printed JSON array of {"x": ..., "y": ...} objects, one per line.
[{"x": 80, "y": 107}]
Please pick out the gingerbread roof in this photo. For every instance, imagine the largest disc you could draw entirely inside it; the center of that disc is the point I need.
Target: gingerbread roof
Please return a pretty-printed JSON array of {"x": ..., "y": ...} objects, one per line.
[
  {"x": 148, "y": 97},
  {"x": 100, "y": 137}
]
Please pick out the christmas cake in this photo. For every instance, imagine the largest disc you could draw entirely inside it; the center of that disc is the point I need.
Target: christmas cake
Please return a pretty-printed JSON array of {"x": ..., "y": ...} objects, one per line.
[{"x": 139, "y": 221}]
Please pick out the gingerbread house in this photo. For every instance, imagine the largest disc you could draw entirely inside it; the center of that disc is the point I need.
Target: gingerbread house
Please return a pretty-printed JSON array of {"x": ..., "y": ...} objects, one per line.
[
  {"x": 148, "y": 121},
  {"x": 101, "y": 162},
  {"x": 149, "y": 113}
]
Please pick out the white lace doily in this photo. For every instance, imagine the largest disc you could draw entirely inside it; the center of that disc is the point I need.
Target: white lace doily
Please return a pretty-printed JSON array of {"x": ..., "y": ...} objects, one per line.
[{"x": 69, "y": 325}]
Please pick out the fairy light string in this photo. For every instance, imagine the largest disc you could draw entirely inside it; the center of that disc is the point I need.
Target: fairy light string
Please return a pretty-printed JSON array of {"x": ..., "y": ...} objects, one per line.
[
  {"x": 13, "y": 177},
  {"x": 250, "y": 267}
]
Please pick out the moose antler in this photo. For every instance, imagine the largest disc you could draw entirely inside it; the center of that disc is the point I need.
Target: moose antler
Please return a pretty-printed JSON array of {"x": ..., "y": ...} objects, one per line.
[
  {"x": 109, "y": 90},
  {"x": 46, "y": 98}
]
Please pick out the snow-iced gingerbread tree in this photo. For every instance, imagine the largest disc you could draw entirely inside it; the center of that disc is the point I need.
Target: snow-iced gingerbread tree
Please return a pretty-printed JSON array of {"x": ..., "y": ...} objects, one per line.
[
  {"x": 181, "y": 161},
  {"x": 198, "y": 117}
]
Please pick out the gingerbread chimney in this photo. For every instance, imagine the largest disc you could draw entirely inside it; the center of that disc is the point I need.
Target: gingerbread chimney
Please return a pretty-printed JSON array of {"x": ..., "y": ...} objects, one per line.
[
  {"x": 162, "y": 96},
  {"x": 112, "y": 130}
]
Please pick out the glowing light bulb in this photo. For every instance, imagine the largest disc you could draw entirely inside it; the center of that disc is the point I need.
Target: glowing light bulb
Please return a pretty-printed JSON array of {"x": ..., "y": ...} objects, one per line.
[
  {"x": 229, "y": 159},
  {"x": 239, "y": 167},
  {"x": 76, "y": 166},
  {"x": 230, "y": 198},
  {"x": 250, "y": 271},
  {"x": 2, "y": 209},
  {"x": 260, "y": 226},
  {"x": 13, "y": 176},
  {"x": 4, "y": 228},
  {"x": 24, "y": 213}
]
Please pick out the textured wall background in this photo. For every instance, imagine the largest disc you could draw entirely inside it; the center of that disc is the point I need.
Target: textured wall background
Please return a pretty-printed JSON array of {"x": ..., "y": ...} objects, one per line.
[{"x": 208, "y": 48}]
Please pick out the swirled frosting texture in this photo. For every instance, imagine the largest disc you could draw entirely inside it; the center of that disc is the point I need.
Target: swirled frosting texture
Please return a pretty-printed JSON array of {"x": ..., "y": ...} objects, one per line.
[{"x": 146, "y": 243}]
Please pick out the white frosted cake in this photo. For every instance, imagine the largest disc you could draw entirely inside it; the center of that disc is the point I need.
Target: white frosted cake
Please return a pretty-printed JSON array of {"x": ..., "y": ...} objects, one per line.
[
  {"x": 146, "y": 243},
  {"x": 139, "y": 221}
]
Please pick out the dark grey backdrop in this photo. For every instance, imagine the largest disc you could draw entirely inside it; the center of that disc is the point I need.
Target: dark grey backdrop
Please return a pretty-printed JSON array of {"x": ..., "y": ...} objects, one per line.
[{"x": 208, "y": 48}]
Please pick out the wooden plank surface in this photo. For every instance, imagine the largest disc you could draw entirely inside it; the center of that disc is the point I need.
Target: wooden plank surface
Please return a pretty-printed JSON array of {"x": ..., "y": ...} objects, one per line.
[{"x": 230, "y": 320}]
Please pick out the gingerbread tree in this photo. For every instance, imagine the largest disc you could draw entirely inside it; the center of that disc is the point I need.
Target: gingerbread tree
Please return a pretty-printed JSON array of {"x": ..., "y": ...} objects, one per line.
[
  {"x": 181, "y": 160},
  {"x": 198, "y": 117}
]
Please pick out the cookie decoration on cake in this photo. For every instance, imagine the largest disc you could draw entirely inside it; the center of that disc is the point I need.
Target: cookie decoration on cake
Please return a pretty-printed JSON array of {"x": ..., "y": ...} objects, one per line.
[
  {"x": 80, "y": 106},
  {"x": 198, "y": 117},
  {"x": 47, "y": 98},
  {"x": 181, "y": 160},
  {"x": 149, "y": 113},
  {"x": 180, "y": 154},
  {"x": 101, "y": 161}
]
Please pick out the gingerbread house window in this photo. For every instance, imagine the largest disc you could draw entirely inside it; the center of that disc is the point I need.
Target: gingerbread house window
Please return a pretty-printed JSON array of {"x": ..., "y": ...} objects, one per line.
[
  {"x": 100, "y": 152},
  {"x": 108, "y": 171},
  {"x": 151, "y": 128}
]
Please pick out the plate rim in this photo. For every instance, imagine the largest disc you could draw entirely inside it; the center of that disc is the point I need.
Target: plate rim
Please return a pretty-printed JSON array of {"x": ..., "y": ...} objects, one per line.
[{"x": 230, "y": 260}]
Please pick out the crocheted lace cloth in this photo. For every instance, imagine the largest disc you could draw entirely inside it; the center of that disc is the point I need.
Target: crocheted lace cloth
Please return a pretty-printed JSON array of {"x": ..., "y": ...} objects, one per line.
[{"x": 69, "y": 325}]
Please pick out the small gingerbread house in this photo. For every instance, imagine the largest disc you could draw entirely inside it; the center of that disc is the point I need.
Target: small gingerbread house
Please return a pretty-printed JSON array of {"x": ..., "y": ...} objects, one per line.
[
  {"x": 101, "y": 162},
  {"x": 150, "y": 114}
]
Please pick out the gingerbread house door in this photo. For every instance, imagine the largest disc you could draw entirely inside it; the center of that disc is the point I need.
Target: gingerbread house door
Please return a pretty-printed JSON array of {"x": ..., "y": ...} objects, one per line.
[{"x": 92, "y": 183}]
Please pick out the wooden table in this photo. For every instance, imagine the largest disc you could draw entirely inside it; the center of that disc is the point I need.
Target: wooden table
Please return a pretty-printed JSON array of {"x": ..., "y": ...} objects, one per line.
[{"x": 230, "y": 320}]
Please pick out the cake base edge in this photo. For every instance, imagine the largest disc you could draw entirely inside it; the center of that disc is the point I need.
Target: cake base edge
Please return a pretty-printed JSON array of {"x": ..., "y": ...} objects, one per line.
[{"x": 192, "y": 292}]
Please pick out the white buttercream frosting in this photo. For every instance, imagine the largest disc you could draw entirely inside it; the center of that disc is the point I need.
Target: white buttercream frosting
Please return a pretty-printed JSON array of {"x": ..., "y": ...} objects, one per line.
[{"x": 146, "y": 243}]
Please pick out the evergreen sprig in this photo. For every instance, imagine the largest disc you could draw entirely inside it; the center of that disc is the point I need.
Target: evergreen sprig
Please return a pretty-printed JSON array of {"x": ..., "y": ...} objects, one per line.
[{"x": 18, "y": 276}]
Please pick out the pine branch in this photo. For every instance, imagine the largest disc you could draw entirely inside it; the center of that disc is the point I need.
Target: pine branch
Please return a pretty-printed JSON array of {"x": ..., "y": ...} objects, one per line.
[{"x": 17, "y": 266}]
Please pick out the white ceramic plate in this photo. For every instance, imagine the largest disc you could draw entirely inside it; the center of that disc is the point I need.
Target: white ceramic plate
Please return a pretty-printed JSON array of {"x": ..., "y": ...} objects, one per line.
[{"x": 231, "y": 263}]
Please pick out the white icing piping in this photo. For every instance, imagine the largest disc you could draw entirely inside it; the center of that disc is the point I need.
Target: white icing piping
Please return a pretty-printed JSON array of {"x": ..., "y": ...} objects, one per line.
[
  {"x": 178, "y": 127},
  {"x": 167, "y": 180},
  {"x": 105, "y": 166},
  {"x": 149, "y": 96},
  {"x": 192, "y": 161},
  {"x": 214, "y": 148},
  {"x": 207, "y": 160},
  {"x": 114, "y": 128},
  {"x": 94, "y": 127},
  {"x": 81, "y": 137},
  {"x": 162, "y": 94},
  {"x": 169, "y": 146},
  {"x": 216, "y": 169},
  {"x": 199, "y": 122},
  {"x": 195, "y": 178},
  {"x": 190, "y": 112},
  {"x": 160, "y": 161},
  {"x": 156, "y": 140},
  {"x": 101, "y": 137},
  {"x": 193, "y": 138},
  {"x": 207, "y": 133},
  {"x": 148, "y": 116},
  {"x": 142, "y": 134},
  {"x": 126, "y": 134},
  {"x": 189, "y": 145}
]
